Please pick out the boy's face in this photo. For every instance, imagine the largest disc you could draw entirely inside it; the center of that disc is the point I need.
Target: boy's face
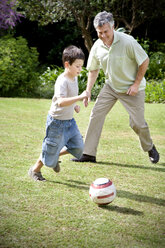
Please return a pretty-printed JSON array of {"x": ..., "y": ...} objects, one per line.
[{"x": 76, "y": 67}]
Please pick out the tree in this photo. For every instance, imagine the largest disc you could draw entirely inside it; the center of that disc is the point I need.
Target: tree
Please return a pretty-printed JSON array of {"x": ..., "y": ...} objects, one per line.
[
  {"x": 130, "y": 13},
  {"x": 9, "y": 16},
  {"x": 134, "y": 13},
  {"x": 74, "y": 10}
]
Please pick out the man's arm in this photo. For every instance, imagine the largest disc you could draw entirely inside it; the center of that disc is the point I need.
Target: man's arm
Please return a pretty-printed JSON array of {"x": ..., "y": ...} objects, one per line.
[
  {"x": 133, "y": 90},
  {"x": 92, "y": 76}
]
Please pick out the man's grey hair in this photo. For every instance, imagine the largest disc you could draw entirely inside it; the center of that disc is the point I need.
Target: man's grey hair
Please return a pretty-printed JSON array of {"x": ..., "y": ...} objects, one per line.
[{"x": 103, "y": 18}]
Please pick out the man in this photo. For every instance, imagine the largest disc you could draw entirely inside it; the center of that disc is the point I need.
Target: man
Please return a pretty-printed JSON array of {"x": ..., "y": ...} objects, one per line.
[{"x": 124, "y": 63}]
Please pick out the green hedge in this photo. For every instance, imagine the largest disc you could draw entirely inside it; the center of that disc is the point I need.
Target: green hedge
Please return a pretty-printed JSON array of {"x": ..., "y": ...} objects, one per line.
[
  {"x": 155, "y": 75},
  {"x": 18, "y": 67},
  {"x": 47, "y": 81},
  {"x": 19, "y": 72},
  {"x": 155, "y": 89},
  {"x": 48, "y": 78}
]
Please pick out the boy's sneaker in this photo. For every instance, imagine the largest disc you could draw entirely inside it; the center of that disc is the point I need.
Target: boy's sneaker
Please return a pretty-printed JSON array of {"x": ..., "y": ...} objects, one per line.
[
  {"x": 153, "y": 155},
  {"x": 57, "y": 168},
  {"x": 36, "y": 176}
]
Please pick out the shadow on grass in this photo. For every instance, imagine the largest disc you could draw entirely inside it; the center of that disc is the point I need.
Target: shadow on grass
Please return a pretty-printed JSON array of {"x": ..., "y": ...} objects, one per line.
[
  {"x": 135, "y": 166},
  {"x": 140, "y": 198},
  {"x": 121, "y": 210},
  {"x": 120, "y": 193},
  {"x": 84, "y": 186},
  {"x": 77, "y": 184},
  {"x": 163, "y": 164}
]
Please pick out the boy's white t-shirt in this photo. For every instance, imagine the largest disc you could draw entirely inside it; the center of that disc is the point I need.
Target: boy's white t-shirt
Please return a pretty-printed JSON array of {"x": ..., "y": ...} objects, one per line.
[{"x": 64, "y": 87}]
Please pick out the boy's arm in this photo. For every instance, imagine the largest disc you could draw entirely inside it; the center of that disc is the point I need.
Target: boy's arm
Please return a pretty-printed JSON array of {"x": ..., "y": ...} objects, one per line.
[{"x": 66, "y": 101}]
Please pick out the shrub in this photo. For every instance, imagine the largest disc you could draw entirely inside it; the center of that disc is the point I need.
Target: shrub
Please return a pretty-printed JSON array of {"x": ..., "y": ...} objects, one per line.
[
  {"x": 155, "y": 91},
  {"x": 48, "y": 78},
  {"x": 156, "y": 68},
  {"x": 47, "y": 81},
  {"x": 18, "y": 67},
  {"x": 156, "y": 52},
  {"x": 97, "y": 86}
]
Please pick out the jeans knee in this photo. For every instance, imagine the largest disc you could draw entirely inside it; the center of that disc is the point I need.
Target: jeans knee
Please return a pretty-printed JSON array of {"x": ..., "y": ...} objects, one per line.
[{"x": 77, "y": 152}]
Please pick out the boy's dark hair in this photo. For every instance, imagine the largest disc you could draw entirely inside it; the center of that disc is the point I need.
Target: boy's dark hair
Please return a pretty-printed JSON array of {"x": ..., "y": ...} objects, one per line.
[{"x": 71, "y": 53}]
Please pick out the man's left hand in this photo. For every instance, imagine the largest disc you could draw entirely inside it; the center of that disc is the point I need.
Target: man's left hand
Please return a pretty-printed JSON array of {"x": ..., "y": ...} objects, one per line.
[{"x": 133, "y": 90}]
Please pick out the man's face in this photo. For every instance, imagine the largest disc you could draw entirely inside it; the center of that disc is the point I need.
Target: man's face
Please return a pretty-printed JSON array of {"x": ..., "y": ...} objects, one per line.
[{"x": 105, "y": 33}]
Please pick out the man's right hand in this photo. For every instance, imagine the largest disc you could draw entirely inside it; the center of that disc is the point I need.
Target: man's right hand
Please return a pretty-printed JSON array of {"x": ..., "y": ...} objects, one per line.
[
  {"x": 92, "y": 76},
  {"x": 87, "y": 99}
]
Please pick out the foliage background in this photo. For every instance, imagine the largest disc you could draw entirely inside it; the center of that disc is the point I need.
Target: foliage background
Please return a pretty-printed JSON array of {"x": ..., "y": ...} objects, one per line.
[
  {"x": 18, "y": 67},
  {"x": 46, "y": 27},
  {"x": 60, "y": 213}
]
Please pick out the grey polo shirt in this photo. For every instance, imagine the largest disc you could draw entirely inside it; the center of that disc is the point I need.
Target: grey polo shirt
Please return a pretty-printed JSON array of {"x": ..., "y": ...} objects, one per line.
[
  {"x": 64, "y": 87},
  {"x": 120, "y": 62}
]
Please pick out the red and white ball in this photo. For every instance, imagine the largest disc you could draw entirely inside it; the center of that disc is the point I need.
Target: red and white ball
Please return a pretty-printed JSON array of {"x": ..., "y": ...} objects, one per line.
[{"x": 102, "y": 191}]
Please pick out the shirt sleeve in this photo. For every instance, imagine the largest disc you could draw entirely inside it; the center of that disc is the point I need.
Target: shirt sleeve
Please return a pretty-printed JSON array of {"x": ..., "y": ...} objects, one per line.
[
  {"x": 93, "y": 63},
  {"x": 136, "y": 52},
  {"x": 61, "y": 88}
]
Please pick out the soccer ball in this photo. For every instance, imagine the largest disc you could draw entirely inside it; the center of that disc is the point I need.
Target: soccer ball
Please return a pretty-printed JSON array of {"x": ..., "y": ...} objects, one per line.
[{"x": 102, "y": 191}]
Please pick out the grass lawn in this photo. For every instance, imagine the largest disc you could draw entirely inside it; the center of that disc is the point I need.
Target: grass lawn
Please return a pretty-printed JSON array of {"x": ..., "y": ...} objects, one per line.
[{"x": 58, "y": 213}]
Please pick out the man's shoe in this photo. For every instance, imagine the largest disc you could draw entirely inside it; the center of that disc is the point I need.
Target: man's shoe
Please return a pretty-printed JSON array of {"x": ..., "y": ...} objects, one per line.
[
  {"x": 36, "y": 176},
  {"x": 153, "y": 155},
  {"x": 57, "y": 168},
  {"x": 85, "y": 158}
]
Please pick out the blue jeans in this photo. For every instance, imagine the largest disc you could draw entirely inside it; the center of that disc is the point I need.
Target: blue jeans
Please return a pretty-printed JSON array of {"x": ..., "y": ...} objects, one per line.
[{"x": 60, "y": 133}]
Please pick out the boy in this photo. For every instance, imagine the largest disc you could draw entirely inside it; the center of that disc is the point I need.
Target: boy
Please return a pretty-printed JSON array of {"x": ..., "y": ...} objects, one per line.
[{"x": 61, "y": 128}]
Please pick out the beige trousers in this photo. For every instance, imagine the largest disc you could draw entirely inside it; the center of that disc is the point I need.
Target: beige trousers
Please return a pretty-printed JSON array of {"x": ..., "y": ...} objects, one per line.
[{"x": 134, "y": 105}]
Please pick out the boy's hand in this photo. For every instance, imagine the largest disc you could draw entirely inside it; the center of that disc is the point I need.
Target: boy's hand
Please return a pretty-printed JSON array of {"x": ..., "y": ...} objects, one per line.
[
  {"x": 84, "y": 94},
  {"x": 77, "y": 108}
]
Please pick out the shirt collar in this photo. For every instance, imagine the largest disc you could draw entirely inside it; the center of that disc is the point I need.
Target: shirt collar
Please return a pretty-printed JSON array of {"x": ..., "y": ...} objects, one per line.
[{"x": 116, "y": 37}]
